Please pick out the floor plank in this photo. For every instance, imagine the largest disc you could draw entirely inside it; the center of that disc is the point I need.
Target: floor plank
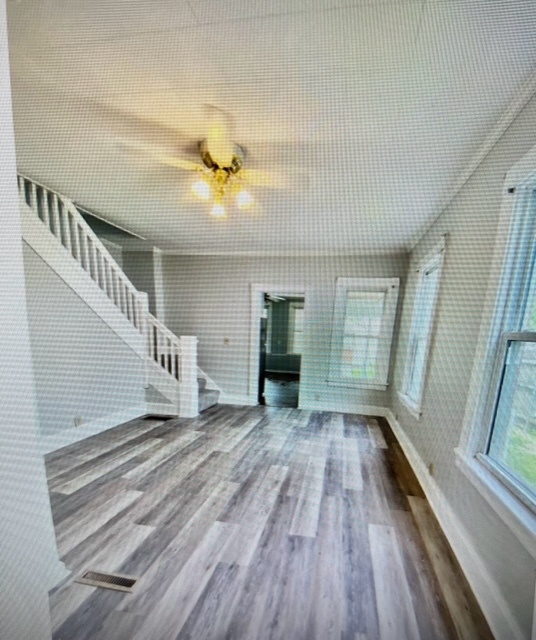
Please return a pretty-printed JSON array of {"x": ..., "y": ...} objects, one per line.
[
  {"x": 258, "y": 523},
  {"x": 393, "y": 597},
  {"x": 466, "y": 617}
]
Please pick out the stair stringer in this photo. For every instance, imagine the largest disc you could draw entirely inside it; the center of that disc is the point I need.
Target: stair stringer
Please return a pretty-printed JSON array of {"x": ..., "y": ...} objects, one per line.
[
  {"x": 47, "y": 247},
  {"x": 163, "y": 382}
]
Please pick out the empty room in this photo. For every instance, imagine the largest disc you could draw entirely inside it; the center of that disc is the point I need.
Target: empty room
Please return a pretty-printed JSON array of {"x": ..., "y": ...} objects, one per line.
[{"x": 268, "y": 338}]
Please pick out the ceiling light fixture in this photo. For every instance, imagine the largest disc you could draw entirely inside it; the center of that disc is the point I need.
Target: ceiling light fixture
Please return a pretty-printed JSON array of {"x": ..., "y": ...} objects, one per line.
[
  {"x": 218, "y": 210},
  {"x": 221, "y": 183},
  {"x": 244, "y": 199},
  {"x": 201, "y": 189}
]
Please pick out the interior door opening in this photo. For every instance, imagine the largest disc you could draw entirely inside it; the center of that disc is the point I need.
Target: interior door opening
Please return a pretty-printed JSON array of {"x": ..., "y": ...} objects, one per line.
[{"x": 280, "y": 350}]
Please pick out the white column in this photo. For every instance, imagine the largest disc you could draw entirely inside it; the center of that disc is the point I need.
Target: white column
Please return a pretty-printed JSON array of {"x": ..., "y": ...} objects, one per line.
[
  {"x": 188, "y": 387},
  {"x": 29, "y": 563},
  {"x": 143, "y": 300}
]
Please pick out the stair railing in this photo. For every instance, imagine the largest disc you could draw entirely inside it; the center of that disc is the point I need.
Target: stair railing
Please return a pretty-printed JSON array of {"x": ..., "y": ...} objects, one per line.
[
  {"x": 164, "y": 347},
  {"x": 177, "y": 356},
  {"x": 65, "y": 222}
]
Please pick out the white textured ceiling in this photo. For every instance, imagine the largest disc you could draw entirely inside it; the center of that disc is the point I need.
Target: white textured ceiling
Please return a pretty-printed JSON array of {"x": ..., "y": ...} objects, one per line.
[{"x": 372, "y": 108}]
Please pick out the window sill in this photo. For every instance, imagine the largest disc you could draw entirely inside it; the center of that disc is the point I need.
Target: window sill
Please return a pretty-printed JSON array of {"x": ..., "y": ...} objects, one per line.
[
  {"x": 356, "y": 384},
  {"x": 518, "y": 518},
  {"x": 408, "y": 403}
]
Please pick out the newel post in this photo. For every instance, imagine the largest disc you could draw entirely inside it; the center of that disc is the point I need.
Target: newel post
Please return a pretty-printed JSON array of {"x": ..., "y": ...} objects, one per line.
[
  {"x": 189, "y": 388},
  {"x": 143, "y": 306}
]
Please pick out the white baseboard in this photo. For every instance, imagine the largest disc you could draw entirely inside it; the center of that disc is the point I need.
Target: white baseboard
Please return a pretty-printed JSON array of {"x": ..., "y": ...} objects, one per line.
[
  {"x": 241, "y": 400},
  {"x": 494, "y": 607},
  {"x": 161, "y": 410},
  {"x": 70, "y": 436},
  {"x": 59, "y": 575},
  {"x": 338, "y": 407}
]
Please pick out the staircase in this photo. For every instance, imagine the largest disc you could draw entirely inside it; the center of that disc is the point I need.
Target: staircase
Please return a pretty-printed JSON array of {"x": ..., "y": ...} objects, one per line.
[{"x": 175, "y": 386}]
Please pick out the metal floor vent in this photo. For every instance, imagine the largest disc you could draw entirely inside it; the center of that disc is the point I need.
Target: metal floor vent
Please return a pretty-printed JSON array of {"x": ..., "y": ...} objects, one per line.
[{"x": 108, "y": 581}]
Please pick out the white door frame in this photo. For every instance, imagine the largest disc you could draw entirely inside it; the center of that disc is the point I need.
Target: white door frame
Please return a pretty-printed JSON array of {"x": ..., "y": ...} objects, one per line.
[{"x": 257, "y": 305}]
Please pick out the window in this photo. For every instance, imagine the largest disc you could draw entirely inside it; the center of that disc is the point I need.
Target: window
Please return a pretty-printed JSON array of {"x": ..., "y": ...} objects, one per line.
[
  {"x": 363, "y": 323},
  {"x": 510, "y": 404},
  {"x": 511, "y": 446},
  {"x": 295, "y": 333},
  {"x": 421, "y": 329}
]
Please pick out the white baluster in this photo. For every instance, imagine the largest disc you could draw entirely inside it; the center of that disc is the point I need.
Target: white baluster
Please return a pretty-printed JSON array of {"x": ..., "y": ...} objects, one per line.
[
  {"x": 102, "y": 270},
  {"x": 43, "y": 205},
  {"x": 174, "y": 372},
  {"x": 56, "y": 216},
  {"x": 134, "y": 319},
  {"x": 150, "y": 332},
  {"x": 84, "y": 246},
  {"x": 132, "y": 299},
  {"x": 128, "y": 301},
  {"x": 113, "y": 283},
  {"x": 122, "y": 297},
  {"x": 94, "y": 264},
  {"x": 77, "y": 252},
  {"x": 189, "y": 388},
  {"x": 107, "y": 276},
  {"x": 33, "y": 198},
  {"x": 169, "y": 360},
  {"x": 66, "y": 227},
  {"x": 143, "y": 301}
]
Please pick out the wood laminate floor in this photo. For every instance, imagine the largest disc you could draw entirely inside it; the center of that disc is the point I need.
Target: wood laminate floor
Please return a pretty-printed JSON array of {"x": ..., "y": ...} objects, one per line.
[{"x": 248, "y": 523}]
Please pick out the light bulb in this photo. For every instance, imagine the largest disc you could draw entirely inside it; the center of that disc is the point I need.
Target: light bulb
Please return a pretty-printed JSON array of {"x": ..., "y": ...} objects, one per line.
[
  {"x": 244, "y": 199},
  {"x": 201, "y": 188},
  {"x": 218, "y": 210}
]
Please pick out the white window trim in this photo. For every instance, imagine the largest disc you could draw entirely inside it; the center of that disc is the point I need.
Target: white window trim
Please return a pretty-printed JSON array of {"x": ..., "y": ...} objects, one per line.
[
  {"x": 343, "y": 287},
  {"x": 291, "y": 327},
  {"x": 433, "y": 258},
  {"x": 513, "y": 512}
]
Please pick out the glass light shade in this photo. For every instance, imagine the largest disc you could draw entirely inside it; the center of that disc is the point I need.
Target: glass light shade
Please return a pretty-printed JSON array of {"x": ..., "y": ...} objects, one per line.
[
  {"x": 201, "y": 189},
  {"x": 244, "y": 199},
  {"x": 218, "y": 211}
]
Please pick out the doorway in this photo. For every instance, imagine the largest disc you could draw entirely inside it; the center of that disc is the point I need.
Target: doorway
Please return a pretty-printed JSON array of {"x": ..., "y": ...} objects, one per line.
[{"x": 280, "y": 349}]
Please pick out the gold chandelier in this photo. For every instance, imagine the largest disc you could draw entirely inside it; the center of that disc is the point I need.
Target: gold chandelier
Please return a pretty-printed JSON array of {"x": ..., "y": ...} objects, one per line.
[{"x": 222, "y": 184}]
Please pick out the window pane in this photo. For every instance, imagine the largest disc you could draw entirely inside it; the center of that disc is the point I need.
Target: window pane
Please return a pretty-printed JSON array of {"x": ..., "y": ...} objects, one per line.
[
  {"x": 359, "y": 357},
  {"x": 417, "y": 369},
  {"x": 423, "y": 316},
  {"x": 364, "y": 312},
  {"x": 513, "y": 441},
  {"x": 529, "y": 321},
  {"x": 425, "y": 305}
]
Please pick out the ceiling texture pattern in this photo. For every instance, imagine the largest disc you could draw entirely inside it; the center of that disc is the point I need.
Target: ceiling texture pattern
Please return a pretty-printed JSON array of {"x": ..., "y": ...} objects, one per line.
[{"x": 371, "y": 109}]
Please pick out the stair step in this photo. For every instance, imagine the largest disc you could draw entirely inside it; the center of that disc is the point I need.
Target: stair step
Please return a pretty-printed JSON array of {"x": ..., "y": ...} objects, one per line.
[
  {"x": 207, "y": 398},
  {"x": 202, "y": 384}
]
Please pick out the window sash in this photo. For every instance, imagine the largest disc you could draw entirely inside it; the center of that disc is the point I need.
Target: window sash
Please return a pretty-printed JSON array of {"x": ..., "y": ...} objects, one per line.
[
  {"x": 295, "y": 333},
  {"x": 422, "y": 324},
  {"x": 513, "y": 309},
  {"x": 343, "y": 373},
  {"x": 499, "y": 466}
]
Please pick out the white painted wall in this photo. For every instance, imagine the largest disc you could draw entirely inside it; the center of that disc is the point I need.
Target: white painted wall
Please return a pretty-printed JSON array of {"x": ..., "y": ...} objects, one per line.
[
  {"x": 29, "y": 564},
  {"x": 83, "y": 369},
  {"x": 471, "y": 221},
  {"x": 209, "y": 296},
  {"x": 144, "y": 270}
]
